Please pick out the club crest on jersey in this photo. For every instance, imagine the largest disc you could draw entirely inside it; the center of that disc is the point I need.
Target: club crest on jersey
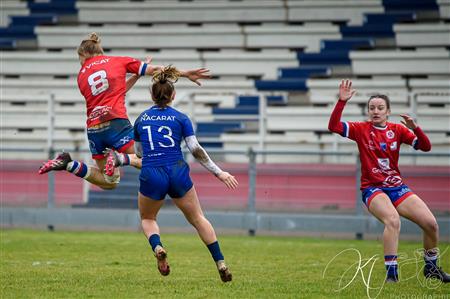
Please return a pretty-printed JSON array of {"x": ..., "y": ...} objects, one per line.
[
  {"x": 393, "y": 146},
  {"x": 390, "y": 134},
  {"x": 384, "y": 163},
  {"x": 383, "y": 146}
]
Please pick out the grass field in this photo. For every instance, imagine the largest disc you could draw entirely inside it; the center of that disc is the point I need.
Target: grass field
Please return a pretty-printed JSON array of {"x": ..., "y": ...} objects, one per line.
[{"x": 40, "y": 264}]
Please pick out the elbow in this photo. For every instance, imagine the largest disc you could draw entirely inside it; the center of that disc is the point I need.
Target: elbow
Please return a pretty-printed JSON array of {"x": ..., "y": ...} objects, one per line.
[{"x": 332, "y": 128}]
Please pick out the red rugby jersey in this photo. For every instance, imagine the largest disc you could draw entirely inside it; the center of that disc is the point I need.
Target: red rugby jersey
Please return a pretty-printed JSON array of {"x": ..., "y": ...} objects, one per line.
[
  {"x": 379, "y": 151},
  {"x": 102, "y": 82},
  {"x": 378, "y": 147}
]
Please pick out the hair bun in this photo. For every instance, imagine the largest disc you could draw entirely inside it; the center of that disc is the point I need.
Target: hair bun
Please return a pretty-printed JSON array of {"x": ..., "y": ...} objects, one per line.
[
  {"x": 94, "y": 37},
  {"x": 167, "y": 73}
]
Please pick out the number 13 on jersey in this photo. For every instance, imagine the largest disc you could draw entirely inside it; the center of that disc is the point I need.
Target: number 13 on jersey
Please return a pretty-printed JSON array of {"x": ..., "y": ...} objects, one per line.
[{"x": 160, "y": 130}]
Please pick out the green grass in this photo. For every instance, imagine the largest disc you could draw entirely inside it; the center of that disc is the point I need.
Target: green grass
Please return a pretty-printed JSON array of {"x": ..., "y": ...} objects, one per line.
[{"x": 40, "y": 264}]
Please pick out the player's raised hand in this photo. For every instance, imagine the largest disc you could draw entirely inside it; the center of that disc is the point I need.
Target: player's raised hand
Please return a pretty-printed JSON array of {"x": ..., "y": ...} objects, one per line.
[
  {"x": 345, "y": 90},
  {"x": 228, "y": 180},
  {"x": 196, "y": 74},
  {"x": 148, "y": 60},
  {"x": 408, "y": 121}
]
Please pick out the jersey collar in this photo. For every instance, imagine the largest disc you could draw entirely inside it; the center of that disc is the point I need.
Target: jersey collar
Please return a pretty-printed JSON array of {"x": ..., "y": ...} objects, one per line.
[{"x": 380, "y": 128}]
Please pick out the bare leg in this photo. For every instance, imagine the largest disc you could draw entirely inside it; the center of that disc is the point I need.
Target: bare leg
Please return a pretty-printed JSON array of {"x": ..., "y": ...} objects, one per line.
[
  {"x": 414, "y": 209},
  {"x": 148, "y": 209},
  {"x": 192, "y": 210},
  {"x": 97, "y": 176},
  {"x": 382, "y": 208}
]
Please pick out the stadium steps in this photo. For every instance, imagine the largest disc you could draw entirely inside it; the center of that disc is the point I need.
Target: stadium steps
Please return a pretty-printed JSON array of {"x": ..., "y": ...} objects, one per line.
[
  {"x": 376, "y": 26},
  {"x": 20, "y": 32}
]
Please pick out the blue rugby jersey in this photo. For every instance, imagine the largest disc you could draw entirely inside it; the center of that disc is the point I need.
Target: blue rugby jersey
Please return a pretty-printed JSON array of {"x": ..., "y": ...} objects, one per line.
[{"x": 161, "y": 130}]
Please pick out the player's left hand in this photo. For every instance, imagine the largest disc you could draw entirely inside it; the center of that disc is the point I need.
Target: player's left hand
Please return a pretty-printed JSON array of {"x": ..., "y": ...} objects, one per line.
[
  {"x": 408, "y": 121},
  {"x": 229, "y": 180},
  {"x": 196, "y": 74}
]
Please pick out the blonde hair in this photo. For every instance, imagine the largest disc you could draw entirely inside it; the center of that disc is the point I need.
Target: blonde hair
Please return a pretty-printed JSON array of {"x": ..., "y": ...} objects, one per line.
[
  {"x": 90, "y": 46},
  {"x": 163, "y": 85}
]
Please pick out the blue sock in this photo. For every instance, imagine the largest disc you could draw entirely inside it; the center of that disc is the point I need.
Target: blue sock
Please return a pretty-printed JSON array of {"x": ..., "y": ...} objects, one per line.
[
  {"x": 214, "y": 248},
  {"x": 390, "y": 261},
  {"x": 431, "y": 258},
  {"x": 154, "y": 241},
  {"x": 78, "y": 168}
]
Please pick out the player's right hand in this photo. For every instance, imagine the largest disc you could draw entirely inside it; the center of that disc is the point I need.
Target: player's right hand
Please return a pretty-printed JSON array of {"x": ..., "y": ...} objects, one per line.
[
  {"x": 345, "y": 90},
  {"x": 196, "y": 74},
  {"x": 228, "y": 179}
]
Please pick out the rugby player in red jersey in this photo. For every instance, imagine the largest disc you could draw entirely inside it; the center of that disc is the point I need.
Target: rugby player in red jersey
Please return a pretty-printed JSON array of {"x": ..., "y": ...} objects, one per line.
[
  {"x": 383, "y": 190},
  {"x": 102, "y": 82}
]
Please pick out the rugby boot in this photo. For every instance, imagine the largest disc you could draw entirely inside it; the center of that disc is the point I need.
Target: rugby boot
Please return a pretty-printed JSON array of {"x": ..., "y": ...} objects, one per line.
[
  {"x": 112, "y": 161},
  {"x": 58, "y": 163},
  {"x": 161, "y": 261},
  {"x": 224, "y": 272},
  {"x": 436, "y": 272}
]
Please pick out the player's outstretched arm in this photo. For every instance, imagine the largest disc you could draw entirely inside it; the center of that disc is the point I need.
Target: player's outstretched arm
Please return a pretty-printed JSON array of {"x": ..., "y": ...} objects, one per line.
[
  {"x": 345, "y": 93},
  {"x": 203, "y": 158}
]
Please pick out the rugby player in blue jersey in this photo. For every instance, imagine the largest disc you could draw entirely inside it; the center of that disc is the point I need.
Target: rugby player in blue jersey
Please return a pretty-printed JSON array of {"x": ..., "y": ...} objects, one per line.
[{"x": 158, "y": 133}]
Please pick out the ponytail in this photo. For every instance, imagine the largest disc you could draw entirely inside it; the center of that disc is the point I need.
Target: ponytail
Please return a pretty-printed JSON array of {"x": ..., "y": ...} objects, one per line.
[{"x": 163, "y": 85}]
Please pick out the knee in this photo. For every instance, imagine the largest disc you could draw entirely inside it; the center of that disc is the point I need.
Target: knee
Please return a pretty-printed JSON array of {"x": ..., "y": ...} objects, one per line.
[
  {"x": 196, "y": 220},
  {"x": 147, "y": 216},
  {"x": 393, "y": 222},
  {"x": 431, "y": 226}
]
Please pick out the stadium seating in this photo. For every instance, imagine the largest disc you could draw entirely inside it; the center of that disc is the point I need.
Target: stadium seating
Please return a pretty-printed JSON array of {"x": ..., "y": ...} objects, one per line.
[
  {"x": 290, "y": 55},
  {"x": 294, "y": 51}
]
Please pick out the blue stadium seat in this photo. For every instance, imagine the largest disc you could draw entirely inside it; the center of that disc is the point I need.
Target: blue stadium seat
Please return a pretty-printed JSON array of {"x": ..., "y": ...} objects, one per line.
[
  {"x": 335, "y": 57},
  {"x": 34, "y": 19},
  {"x": 247, "y": 101},
  {"x": 281, "y": 85},
  {"x": 394, "y": 17},
  {"x": 347, "y": 44},
  {"x": 303, "y": 72},
  {"x": 409, "y": 5},
  {"x": 7, "y": 43},
  {"x": 214, "y": 129},
  {"x": 274, "y": 100},
  {"x": 18, "y": 31},
  {"x": 368, "y": 31},
  {"x": 54, "y": 6}
]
